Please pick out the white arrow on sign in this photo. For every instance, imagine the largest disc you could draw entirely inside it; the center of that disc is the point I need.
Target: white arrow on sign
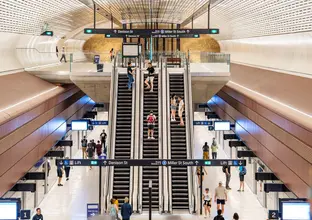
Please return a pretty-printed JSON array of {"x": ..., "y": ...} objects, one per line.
[
  {"x": 196, "y": 162},
  {"x": 92, "y": 214},
  {"x": 240, "y": 163}
]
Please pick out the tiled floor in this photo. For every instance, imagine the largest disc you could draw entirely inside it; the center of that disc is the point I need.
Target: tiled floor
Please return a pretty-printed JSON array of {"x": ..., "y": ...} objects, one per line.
[{"x": 69, "y": 202}]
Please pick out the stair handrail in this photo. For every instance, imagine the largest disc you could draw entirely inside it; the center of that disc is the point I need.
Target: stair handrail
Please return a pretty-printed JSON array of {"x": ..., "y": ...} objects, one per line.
[
  {"x": 167, "y": 109},
  {"x": 188, "y": 138},
  {"x": 111, "y": 138}
]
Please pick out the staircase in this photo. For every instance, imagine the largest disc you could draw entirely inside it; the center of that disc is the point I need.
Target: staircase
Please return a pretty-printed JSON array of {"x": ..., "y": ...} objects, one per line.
[
  {"x": 180, "y": 198},
  {"x": 123, "y": 139},
  {"x": 150, "y": 148}
]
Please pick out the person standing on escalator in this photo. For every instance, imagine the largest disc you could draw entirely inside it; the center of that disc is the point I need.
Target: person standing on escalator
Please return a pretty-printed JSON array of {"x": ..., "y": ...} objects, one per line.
[
  {"x": 130, "y": 74},
  {"x": 151, "y": 119},
  {"x": 149, "y": 82}
]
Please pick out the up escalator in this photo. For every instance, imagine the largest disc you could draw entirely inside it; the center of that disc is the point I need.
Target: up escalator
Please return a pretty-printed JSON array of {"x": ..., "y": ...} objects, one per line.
[
  {"x": 121, "y": 185},
  {"x": 179, "y": 185},
  {"x": 150, "y": 148}
]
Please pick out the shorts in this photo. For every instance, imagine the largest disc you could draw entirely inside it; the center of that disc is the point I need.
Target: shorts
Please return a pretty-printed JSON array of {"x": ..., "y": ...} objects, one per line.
[
  {"x": 150, "y": 78},
  {"x": 221, "y": 201},
  {"x": 84, "y": 148},
  {"x": 207, "y": 203},
  {"x": 150, "y": 126},
  {"x": 198, "y": 173},
  {"x": 173, "y": 107},
  {"x": 180, "y": 112},
  {"x": 59, "y": 173},
  {"x": 241, "y": 178}
]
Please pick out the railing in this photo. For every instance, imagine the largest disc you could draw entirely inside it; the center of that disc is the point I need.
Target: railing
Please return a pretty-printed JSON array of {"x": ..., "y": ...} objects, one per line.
[{"x": 111, "y": 138}]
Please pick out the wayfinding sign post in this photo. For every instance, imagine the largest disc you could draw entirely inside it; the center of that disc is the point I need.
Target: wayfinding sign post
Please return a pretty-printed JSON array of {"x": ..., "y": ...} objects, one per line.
[{"x": 92, "y": 209}]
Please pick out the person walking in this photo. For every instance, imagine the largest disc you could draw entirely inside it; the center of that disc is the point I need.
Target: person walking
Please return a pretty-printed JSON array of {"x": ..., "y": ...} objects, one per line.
[
  {"x": 84, "y": 143},
  {"x": 113, "y": 209},
  {"x": 220, "y": 197},
  {"x": 235, "y": 216},
  {"x": 219, "y": 215},
  {"x": 38, "y": 215},
  {"x": 214, "y": 149},
  {"x": 173, "y": 106},
  {"x": 227, "y": 170},
  {"x": 181, "y": 109},
  {"x": 67, "y": 170},
  {"x": 60, "y": 173},
  {"x": 111, "y": 54},
  {"x": 149, "y": 82},
  {"x": 151, "y": 119},
  {"x": 198, "y": 175},
  {"x": 242, "y": 173},
  {"x": 206, "y": 151},
  {"x": 90, "y": 152},
  {"x": 126, "y": 210},
  {"x": 98, "y": 148},
  {"x": 260, "y": 170},
  {"x": 207, "y": 202},
  {"x": 103, "y": 137},
  {"x": 130, "y": 74},
  {"x": 63, "y": 55}
]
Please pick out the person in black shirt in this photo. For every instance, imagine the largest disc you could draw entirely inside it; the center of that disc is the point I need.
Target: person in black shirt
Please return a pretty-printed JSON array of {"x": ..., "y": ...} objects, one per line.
[
  {"x": 227, "y": 170},
  {"x": 150, "y": 77},
  {"x": 130, "y": 74},
  {"x": 38, "y": 215},
  {"x": 103, "y": 137},
  {"x": 219, "y": 216}
]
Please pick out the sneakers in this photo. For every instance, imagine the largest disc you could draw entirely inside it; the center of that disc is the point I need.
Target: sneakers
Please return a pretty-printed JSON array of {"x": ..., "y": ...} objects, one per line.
[
  {"x": 148, "y": 137},
  {"x": 59, "y": 184},
  {"x": 67, "y": 179},
  {"x": 152, "y": 138},
  {"x": 228, "y": 188},
  {"x": 151, "y": 90}
]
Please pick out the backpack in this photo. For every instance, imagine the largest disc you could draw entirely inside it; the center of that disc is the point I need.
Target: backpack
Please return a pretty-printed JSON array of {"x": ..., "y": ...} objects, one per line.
[
  {"x": 224, "y": 169},
  {"x": 151, "y": 119},
  {"x": 244, "y": 171}
]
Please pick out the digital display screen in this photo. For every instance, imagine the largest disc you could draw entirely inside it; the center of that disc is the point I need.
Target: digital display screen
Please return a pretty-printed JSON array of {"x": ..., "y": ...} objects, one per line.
[
  {"x": 130, "y": 50},
  {"x": 79, "y": 125},
  {"x": 296, "y": 211},
  {"x": 222, "y": 126},
  {"x": 8, "y": 210}
]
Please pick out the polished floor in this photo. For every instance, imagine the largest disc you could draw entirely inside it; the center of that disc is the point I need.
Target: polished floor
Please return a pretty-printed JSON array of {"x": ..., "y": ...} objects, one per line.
[{"x": 69, "y": 202}]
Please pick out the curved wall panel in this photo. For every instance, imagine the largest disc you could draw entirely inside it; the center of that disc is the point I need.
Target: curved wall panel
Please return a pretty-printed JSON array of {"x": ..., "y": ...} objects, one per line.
[{"x": 290, "y": 53}]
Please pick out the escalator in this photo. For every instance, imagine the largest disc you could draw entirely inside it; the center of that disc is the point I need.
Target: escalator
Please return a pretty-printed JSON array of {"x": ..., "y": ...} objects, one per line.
[
  {"x": 179, "y": 175},
  {"x": 121, "y": 180},
  {"x": 150, "y": 148}
]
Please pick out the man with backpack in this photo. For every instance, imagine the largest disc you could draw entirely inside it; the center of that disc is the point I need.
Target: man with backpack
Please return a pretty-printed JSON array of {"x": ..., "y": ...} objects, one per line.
[
  {"x": 242, "y": 173},
  {"x": 151, "y": 119},
  {"x": 227, "y": 170}
]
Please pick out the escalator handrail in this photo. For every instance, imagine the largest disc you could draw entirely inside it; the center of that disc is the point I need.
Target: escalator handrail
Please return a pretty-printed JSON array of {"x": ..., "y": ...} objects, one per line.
[
  {"x": 141, "y": 84},
  {"x": 112, "y": 128},
  {"x": 167, "y": 97},
  {"x": 188, "y": 139}
]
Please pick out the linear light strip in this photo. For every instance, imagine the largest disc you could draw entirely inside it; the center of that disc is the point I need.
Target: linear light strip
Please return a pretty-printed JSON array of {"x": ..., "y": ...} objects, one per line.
[
  {"x": 273, "y": 100},
  {"x": 29, "y": 99}
]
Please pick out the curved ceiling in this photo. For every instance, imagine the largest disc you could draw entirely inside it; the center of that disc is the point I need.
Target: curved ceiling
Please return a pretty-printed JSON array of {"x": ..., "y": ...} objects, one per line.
[{"x": 235, "y": 18}]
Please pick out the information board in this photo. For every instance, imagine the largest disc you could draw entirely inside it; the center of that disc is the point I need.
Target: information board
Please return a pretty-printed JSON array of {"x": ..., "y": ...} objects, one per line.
[
  {"x": 201, "y": 123},
  {"x": 9, "y": 209},
  {"x": 130, "y": 50},
  {"x": 92, "y": 209},
  {"x": 222, "y": 125},
  {"x": 79, "y": 125}
]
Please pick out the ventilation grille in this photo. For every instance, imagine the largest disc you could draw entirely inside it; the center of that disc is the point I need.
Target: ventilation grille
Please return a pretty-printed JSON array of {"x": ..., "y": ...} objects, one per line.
[
  {"x": 30, "y": 16},
  {"x": 252, "y": 18}
]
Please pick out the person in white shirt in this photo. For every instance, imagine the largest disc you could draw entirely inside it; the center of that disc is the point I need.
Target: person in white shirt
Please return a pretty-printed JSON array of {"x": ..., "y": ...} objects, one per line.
[
  {"x": 181, "y": 109},
  {"x": 220, "y": 196},
  {"x": 207, "y": 202}
]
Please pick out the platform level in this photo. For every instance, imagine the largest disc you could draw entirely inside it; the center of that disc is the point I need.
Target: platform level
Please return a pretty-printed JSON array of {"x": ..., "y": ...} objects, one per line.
[{"x": 69, "y": 202}]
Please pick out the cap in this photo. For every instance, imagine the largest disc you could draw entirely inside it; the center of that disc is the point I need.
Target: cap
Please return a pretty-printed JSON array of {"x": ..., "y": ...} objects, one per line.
[{"x": 220, "y": 182}]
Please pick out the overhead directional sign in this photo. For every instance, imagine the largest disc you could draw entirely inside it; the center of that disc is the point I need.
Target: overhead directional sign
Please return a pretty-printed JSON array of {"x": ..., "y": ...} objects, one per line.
[
  {"x": 152, "y": 35},
  {"x": 99, "y": 122},
  {"x": 148, "y": 32},
  {"x": 143, "y": 162},
  {"x": 202, "y": 122},
  {"x": 92, "y": 209}
]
